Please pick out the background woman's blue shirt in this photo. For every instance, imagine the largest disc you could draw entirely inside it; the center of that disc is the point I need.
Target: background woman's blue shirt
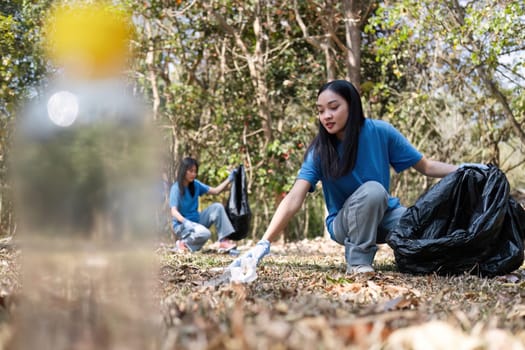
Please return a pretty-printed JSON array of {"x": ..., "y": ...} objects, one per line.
[{"x": 187, "y": 205}]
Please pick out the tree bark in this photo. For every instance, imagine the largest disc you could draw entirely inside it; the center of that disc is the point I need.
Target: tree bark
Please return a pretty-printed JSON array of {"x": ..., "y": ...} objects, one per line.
[
  {"x": 152, "y": 76},
  {"x": 353, "y": 22}
]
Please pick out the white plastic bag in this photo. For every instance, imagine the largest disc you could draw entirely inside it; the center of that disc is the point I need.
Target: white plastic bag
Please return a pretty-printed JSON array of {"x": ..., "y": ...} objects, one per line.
[{"x": 246, "y": 272}]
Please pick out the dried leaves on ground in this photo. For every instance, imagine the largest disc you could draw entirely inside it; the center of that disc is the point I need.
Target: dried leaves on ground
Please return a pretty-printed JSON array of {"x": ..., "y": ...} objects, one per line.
[{"x": 302, "y": 299}]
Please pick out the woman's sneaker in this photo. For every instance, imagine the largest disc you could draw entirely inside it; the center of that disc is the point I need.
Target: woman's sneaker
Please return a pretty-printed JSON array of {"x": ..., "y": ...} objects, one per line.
[
  {"x": 180, "y": 247},
  {"x": 362, "y": 269},
  {"x": 225, "y": 245}
]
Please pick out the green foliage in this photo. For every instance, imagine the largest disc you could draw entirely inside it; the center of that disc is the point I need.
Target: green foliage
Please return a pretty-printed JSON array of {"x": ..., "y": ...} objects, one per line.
[
  {"x": 22, "y": 64},
  {"x": 417, "y": 65},
  {"x": 208, "y": 94},
  {"x": 21, "y": 68},
  {"x": 434, "y": 57},
  {"x": 234, "y": 82}
]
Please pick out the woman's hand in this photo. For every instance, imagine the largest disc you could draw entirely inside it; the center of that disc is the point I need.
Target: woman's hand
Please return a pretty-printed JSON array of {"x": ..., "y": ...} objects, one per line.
[
  {"x": 261, "y": 249},
  {"x": 231, "y": 177},
  {"x": 188, "y": 225}
]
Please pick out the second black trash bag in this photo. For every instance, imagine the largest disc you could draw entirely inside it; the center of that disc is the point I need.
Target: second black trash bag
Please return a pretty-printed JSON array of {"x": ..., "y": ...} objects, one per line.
[
  {"x": 237, "y": 208},
  {"x": 467, "y": 222}
]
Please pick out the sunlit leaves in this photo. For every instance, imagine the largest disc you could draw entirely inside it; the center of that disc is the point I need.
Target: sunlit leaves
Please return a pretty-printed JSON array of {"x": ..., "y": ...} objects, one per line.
[
  {"x": 302, "y": 293},
  {"x": 21, "y": 62},
  {"x": 436, "y": 50}
]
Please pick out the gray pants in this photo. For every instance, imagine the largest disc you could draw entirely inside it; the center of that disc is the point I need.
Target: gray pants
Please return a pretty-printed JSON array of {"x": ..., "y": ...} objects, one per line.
[
  {"x": 196, "y": 237},
  {"x": 363, "y": 221}
]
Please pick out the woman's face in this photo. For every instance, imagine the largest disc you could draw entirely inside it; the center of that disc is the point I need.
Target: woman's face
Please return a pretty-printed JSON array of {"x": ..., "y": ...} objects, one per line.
[
  {"x": 191, "y": 174},
  {"x": 332, "y": 110}
]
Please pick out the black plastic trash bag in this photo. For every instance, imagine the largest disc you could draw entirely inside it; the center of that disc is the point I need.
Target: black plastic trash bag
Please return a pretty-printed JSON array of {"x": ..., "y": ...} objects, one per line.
[
  {"x": 237, "y": 208},
  {"x": 467, "y": 222}
]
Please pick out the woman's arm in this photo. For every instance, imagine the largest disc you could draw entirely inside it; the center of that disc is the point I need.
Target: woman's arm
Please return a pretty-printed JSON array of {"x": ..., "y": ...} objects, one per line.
[
  {"x": 434, "y": 168},
  {"x": 218, "y": 189},
  {"x": 287, "y": 209},
  {"x": 176, "y": 214}
]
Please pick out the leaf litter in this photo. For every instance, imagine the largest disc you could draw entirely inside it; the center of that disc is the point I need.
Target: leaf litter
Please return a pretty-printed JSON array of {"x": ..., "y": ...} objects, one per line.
[{"x": 302, "y": 299}]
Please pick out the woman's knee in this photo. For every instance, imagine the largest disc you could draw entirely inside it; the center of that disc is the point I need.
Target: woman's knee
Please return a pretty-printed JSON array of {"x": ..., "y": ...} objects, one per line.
[
  {"x": 202, "y": 232},
  {"x": 216, "y": 211},
  {"x": 217, "y": 207},
  {"x": 374, "y": 193}
]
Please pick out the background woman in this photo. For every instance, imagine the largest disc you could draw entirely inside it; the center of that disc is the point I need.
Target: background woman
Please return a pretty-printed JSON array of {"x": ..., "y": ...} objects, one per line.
[{"x": 189, "y": 225}]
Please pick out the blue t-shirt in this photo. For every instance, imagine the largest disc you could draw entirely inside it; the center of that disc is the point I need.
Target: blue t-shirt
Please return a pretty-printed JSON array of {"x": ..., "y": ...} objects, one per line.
[
  {"x": 380, "y": 145},
  {"x": 187, "y": 205}
]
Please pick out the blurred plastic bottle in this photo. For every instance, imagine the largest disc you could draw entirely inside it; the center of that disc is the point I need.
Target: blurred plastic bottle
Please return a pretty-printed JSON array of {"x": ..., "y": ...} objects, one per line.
[{"x": 84, "y": 173}]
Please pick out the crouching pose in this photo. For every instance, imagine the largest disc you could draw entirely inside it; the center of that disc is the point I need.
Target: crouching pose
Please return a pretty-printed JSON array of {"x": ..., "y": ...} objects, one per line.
[
  {"x": 190, "y": 226},
  {"x": 351, "y": 156}
]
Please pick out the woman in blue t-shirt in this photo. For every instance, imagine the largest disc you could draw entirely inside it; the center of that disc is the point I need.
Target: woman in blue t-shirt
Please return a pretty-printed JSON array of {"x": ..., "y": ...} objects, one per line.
[
  {"x": 189, "y": 225},
  {"x": 351, "y": 156}
]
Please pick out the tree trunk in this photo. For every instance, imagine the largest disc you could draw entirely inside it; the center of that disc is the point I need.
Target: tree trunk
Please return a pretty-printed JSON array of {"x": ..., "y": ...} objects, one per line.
[
  {"x": 152, "y": 76},
  {"x": 353, "y": 23},
  {"x": 259, "y": 75}
]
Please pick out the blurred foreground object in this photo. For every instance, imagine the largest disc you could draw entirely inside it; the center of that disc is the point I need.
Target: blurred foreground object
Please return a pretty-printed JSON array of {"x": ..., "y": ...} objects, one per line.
[
  {"x": 89, "y": 40},
  {"x": 84, "y": 170}
]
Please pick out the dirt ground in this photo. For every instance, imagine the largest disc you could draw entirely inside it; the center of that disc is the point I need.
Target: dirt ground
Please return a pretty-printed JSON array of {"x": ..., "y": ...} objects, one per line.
[{"x": 302, "y": 299}]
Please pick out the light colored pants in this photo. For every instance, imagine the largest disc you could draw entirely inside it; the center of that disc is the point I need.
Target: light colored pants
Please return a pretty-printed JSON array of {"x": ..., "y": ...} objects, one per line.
[
  {"x": 196, "y": 237},
  {"x": 363, "y": 221}
]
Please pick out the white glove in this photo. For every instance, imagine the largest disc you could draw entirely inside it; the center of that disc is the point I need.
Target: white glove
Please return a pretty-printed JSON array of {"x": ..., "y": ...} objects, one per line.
[
  {"x": 232, "y": 174},
  {"x": 474, "y": 165},
  {"x": 261, "y": 249},
  {"x": 244, "y": 268}
]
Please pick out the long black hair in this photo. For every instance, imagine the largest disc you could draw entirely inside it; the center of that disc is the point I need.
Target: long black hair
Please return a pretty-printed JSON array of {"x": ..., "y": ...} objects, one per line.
[
  {"x": 186, "y": 164},
  {"x": 324, "y": 145}
]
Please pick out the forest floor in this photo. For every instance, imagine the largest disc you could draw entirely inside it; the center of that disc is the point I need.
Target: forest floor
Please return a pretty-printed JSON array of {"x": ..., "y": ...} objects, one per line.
[{"x": 302, "y": 299}]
